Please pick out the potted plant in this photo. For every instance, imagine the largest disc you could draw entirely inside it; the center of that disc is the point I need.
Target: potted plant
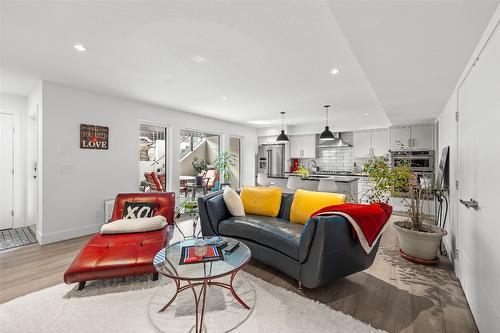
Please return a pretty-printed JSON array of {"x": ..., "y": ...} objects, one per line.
[
  {"x": 303, "y": 172},
  {"x": 223, "y": 163},
  {"x": 199, "y": 166},
  {"x": 419, "y": 241}
]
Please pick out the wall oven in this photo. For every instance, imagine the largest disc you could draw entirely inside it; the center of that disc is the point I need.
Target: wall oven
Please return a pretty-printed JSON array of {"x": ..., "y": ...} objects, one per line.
[
  {"x": 418, "y": 160},
  {"x": 421, "y": 163}
]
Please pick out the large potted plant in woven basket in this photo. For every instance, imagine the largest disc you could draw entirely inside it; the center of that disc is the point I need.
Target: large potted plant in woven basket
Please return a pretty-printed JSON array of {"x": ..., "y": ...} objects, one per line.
[{"x": 419, "y": 238}]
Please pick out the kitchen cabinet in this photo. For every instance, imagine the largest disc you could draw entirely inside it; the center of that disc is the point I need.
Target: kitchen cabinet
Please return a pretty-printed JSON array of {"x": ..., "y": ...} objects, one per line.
[
  {"x": 350, "y": 189},
  {"x": 400, "y": 136},
  {"x": 364, "y": 187},
  {"x": 362, "y": 144},
  {"x": 370, "y": 143},
  {"x": 302, "y": 146},
  {"x": 422, "y": 137},
  {"x": 295, "y": 145},
  {"x": 309, "y": 146},
  {"x": 266, "y": 139},
  {"x": 416, "y": 137},
  {"x": 380, "y": 142}
]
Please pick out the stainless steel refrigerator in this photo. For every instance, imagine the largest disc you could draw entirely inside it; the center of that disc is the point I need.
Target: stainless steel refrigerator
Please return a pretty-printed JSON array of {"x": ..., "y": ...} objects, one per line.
[{"x": 271, "y": 160}]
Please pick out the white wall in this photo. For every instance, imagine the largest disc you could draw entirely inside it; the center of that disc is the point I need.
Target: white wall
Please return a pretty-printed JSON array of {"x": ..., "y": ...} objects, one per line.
[
  {"x": 448, "y": 135},
  {"x": 73, "y": 201},
  {"x": 475, "y": 234},
  {"x": 17, "y": 105},
  {"x": 34, "y": 152}
]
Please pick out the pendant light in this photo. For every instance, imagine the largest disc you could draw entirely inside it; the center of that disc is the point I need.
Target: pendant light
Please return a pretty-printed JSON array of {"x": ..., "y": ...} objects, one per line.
[
  {"x": 282, "y": 137},
  {"x": 326, "y": 134}
]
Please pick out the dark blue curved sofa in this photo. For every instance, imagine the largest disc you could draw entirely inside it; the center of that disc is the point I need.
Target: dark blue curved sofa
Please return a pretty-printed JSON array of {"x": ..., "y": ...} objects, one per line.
[{"x": 314, "y": 254}]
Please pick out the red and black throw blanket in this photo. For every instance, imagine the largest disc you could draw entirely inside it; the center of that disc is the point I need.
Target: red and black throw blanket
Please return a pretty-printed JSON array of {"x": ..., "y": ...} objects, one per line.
[{"x": 368, "y": 221}]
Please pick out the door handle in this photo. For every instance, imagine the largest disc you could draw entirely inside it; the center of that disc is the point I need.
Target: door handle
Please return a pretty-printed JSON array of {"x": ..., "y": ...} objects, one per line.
[{"x": 470, "y": 204}]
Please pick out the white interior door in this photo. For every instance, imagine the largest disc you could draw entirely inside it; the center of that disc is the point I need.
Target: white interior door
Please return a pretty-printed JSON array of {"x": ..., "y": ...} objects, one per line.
[
  {"x": 6, "y": 170},
  {"x": 32, "y": 169},
  {"x": 479, "y": 157}
]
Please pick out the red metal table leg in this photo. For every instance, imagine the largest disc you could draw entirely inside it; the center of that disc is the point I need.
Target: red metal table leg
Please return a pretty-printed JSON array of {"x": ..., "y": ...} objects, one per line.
[
  {"x": 202, "y": 298},
  {"x": 177, "y": 285},
  {"x": 203, "y": 295},
  {"x": 235, "y": 295},
  {"x": 196, "y": 304}
]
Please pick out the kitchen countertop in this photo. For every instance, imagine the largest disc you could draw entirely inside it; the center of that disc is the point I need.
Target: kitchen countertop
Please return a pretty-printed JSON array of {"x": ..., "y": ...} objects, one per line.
[
  {"x": 319, "y": 173},
  {"x": 337, "y": 178}
]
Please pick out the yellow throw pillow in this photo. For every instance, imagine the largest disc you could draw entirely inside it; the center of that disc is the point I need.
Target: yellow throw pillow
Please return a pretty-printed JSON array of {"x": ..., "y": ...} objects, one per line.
[
  {"x": 305, "y": 203},
  {"x": 261, "y": 200}
]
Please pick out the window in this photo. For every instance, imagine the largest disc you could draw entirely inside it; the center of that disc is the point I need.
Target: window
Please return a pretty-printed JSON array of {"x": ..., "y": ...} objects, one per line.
[
  {"x": 152, "y": 157},
  {"x": 202, "y": 148}
]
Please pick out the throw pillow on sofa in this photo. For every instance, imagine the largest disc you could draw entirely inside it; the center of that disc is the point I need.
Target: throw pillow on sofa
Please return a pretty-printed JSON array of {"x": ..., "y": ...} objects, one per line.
[
  {"x": 127, "y": 226},
  {"x": 134, "y": 210},
  {"x": 305, "y": 203},
  {"x": 261, "y": 200},
  {"x": 233, "y": 202}
]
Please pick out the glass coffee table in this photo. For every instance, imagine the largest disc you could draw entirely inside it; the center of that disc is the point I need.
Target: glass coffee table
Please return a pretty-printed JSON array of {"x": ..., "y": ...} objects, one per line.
[{"x": 167, "y": 263}]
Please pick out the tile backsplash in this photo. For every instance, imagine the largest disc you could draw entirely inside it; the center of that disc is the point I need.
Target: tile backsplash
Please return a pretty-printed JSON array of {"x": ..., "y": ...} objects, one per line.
[{"x": 340, "y": 159}]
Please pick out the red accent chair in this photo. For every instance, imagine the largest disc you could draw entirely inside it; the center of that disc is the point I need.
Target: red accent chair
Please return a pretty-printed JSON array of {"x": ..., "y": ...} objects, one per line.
[
  {"x": 162, "y": 177},
  {"x": 153, "y": 181},
  {"x": 210, "y": 177},
  {"x": 119, "y": 255}
]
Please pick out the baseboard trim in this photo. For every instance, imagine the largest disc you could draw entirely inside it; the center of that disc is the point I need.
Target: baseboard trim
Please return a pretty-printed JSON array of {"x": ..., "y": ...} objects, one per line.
[
  {"x": 67, "y": 234},
  {"x": 450, "y": 252}
]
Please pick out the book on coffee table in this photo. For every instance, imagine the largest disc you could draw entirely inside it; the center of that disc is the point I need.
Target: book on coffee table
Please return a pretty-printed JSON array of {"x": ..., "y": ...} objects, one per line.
[{"x": 188, "y": 255}]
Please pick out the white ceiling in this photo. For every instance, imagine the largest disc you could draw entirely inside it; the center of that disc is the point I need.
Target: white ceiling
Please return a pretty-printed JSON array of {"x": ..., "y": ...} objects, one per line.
[
  {"x": 413, "y": 52},
  {"x": 266, "y": 57}
]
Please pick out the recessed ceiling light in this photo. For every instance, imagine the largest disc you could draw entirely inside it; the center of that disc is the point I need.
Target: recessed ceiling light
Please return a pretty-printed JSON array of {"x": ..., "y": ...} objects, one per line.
[
  {"x": 79, "y": 47},
  {"x": 224, "y": 98},
  {"x": 198, "y": 59},
  {"x": 365, "y": 114},
  {"x": 335, "y": 71},
  {"x": 261, "y": 122}
]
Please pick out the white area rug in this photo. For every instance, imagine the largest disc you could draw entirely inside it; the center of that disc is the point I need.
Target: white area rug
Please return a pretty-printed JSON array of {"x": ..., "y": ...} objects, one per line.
[{"x": 131, "y": 305}]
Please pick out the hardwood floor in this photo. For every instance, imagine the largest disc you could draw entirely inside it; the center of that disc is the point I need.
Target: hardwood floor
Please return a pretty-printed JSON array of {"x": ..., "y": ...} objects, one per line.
[{"x": 393, "y": 295}]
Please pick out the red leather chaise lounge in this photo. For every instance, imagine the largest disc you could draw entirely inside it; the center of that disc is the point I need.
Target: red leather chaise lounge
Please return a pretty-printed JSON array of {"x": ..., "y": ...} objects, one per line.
[{"x": 119, "y": 255}]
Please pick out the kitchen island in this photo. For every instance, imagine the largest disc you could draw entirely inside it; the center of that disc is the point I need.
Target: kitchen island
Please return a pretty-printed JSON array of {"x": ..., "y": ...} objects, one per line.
[{"x": 345, "y": 184}]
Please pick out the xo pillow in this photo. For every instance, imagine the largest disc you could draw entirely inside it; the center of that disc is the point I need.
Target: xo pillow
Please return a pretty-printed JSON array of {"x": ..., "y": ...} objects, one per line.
[
  {"x": 134, "y": 210},
  {"x": 131, "y": 226},
  {"x": 233, "y": 202},
  {"x": 305, "y": 203},
  {"x": 261, "y": 200}
]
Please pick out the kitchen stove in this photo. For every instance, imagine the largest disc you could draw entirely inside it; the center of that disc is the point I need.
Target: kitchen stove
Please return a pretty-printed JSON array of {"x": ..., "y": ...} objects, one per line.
[{"x": 334, "y": 172}]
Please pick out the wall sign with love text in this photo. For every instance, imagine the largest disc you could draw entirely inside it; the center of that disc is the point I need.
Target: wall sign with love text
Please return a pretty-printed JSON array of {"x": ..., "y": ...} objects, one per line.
[{"x": 93, "y": 137}]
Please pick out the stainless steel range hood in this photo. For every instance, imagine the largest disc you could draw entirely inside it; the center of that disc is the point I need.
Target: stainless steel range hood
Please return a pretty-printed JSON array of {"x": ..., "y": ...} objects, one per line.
[{"x": 337, "y": 142}]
